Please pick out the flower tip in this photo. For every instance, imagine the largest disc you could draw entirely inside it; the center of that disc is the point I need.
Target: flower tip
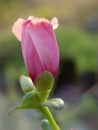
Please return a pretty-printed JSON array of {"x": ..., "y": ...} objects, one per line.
[
  {"x": 17, "y": 28},
  {"x": 30, "y": 17},
  {"x": 54, "y": 22}
]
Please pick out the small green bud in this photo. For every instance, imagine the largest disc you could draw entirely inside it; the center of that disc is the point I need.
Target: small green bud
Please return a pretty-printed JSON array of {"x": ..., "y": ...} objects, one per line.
[
  {"x": 46, "y": 125},
  {"x": 54, "y": 103},
  {"x": 31, "y": 99},
  {"x": 44, "y": 81},
  {"x": 26, "y": 84}
]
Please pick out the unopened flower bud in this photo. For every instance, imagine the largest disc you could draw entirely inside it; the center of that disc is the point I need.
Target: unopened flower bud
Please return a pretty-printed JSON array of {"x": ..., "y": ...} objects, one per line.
[{"x": 26, "y": 84}]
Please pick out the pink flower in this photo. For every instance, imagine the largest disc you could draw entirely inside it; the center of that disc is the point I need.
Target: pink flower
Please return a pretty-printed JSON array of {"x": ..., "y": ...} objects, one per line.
[{"x": 39, "y": 45}]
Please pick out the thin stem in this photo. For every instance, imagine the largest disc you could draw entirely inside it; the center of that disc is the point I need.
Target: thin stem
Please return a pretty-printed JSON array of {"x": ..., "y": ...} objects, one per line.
[{"x": 47, "y": 113}]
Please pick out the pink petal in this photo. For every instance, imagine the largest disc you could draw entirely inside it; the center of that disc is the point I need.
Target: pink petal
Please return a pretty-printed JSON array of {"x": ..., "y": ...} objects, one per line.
[
  {"x": 54, "y": 22},
  {"x": 45, "y": 43},
  {"x": 17, "y": 28},
  {"x": 31, "y": 57}
]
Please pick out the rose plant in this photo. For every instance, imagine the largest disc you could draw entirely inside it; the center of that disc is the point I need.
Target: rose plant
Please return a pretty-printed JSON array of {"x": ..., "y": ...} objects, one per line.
[{"x": 41, "y": 56}]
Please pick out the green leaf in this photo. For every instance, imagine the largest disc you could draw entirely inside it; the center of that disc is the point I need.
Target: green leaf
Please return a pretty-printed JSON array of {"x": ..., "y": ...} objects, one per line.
[
  {"x": 26, "y": 84},
  {"x": 55, "y": 103}
]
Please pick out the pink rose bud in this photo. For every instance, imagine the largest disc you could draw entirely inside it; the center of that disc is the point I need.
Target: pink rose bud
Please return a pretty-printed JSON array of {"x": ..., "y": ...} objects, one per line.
[{"x": 39, "y": 45}]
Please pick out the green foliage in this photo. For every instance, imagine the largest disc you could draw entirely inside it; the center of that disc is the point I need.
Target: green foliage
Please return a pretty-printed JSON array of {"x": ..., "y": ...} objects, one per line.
[
  {"x": 79, "y": 45},
  {"x": 11, "y": 60}
]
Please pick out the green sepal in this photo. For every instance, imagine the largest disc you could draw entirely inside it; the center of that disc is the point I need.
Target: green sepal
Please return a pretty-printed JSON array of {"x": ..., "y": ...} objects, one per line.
[
  {"x": 31, "y": 99},
  {"x": 44, "y": 95},
  {"x": 46, "y": 125},
  {"x": 56, "y": 103},
  {"x": 26, "y": 84},
  {"x": 44, "y": 81}
]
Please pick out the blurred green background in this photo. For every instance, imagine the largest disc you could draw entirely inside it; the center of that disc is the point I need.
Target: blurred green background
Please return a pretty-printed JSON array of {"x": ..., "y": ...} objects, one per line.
[{"x": 77, "y": 37}]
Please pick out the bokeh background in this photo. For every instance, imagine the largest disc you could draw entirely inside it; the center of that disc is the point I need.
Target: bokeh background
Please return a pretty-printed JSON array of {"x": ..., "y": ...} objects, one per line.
[{"x": 77, "y": 79}]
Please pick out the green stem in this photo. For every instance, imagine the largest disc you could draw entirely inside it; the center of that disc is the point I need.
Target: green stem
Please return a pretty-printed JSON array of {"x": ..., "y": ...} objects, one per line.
[{"x": 47, "y": 113}]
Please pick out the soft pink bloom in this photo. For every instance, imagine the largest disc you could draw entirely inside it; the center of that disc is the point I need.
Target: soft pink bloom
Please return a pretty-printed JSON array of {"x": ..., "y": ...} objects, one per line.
[{"x": 39, "y": 45}]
